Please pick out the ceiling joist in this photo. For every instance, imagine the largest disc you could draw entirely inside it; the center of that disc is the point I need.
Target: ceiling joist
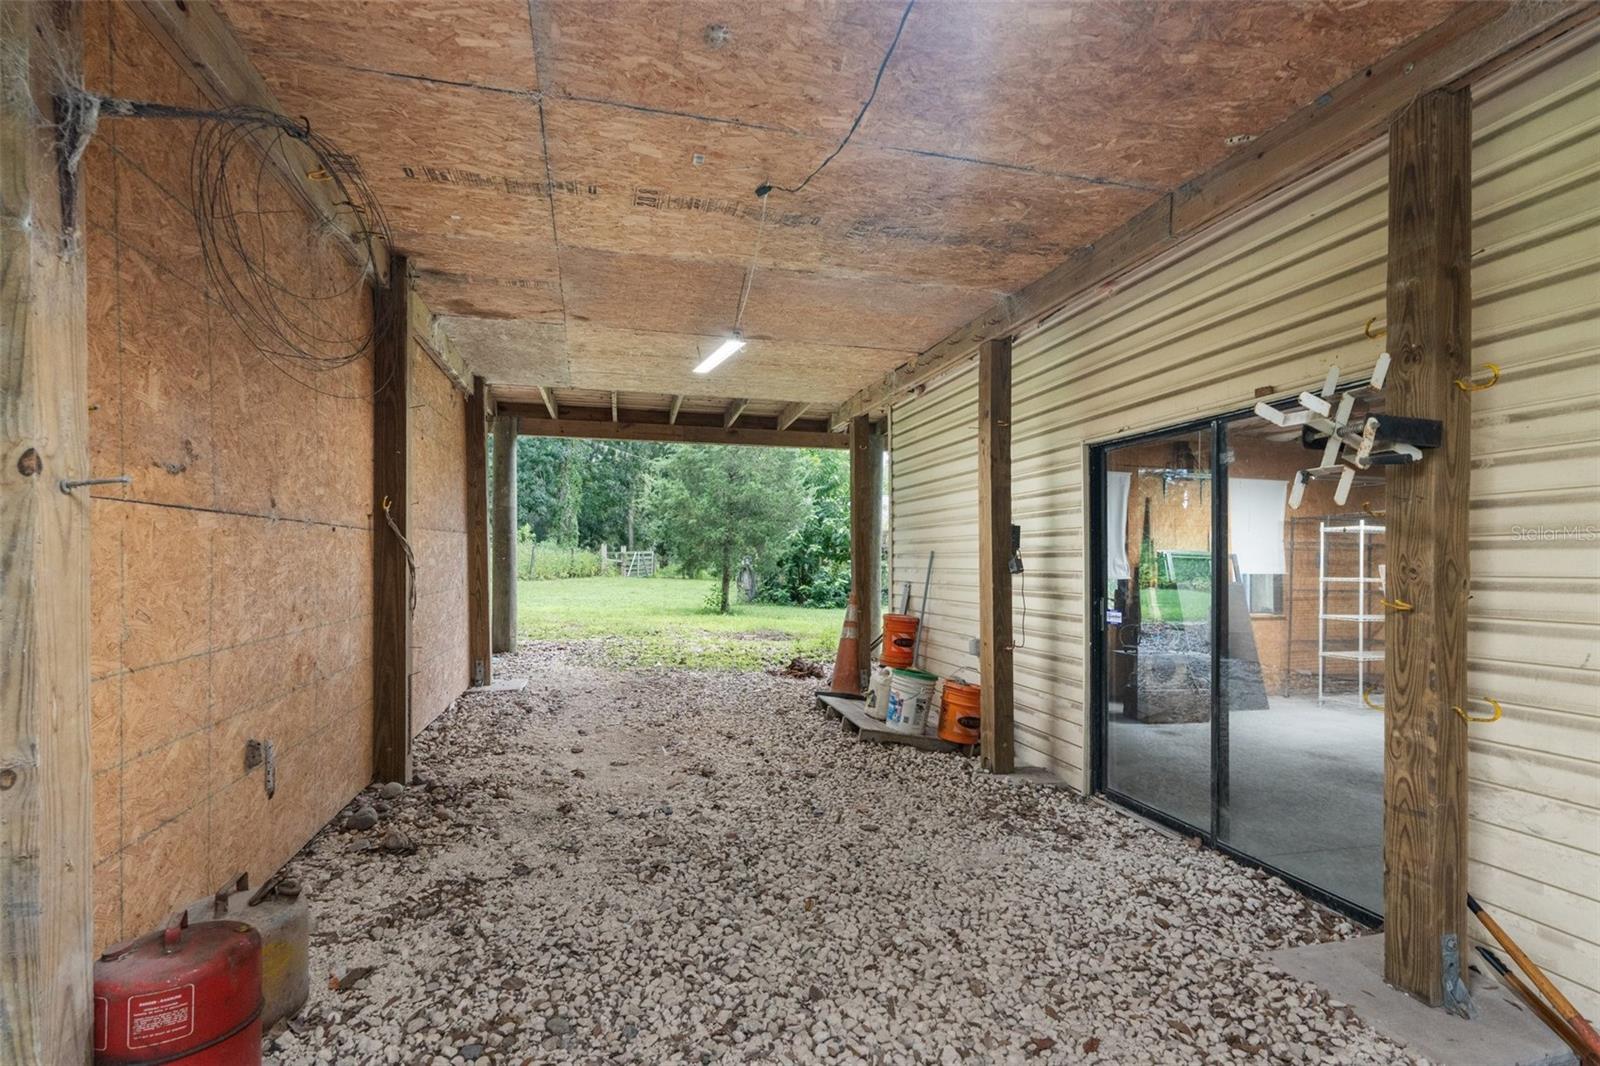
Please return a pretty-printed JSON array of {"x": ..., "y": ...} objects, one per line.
[
  {"x": 597, "y": 423},
  {"x": 787, "y": 416},
  {"x": 1473, "y": 40},
  {"x": 731, "y": 415},
  {"x": 548, "y": 395}
]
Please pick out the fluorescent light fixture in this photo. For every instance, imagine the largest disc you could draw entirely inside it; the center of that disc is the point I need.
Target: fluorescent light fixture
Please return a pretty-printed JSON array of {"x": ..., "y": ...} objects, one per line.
[{"x": 716, "y": 358}]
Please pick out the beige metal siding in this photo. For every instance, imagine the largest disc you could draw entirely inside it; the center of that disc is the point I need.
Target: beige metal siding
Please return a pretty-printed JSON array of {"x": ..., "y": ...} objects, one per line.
[
  {"x": 1533, "y": 636},
  {"x": 933, "y": 448},
  {"x": 1270, "y": 302}
]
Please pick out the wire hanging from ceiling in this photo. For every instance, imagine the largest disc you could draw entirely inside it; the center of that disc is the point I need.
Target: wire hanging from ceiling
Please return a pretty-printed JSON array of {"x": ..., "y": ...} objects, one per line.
[
  {"x": 767, "y": 187},
  {"x": 750, "y": 269},
  {"x": 287, "y": 309}
]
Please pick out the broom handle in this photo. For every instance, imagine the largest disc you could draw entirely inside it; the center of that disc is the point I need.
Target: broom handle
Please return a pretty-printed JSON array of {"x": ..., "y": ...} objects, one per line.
[
  {"x": 1580, "y": 1025},
  {"x": 1550, "y": 1018}
]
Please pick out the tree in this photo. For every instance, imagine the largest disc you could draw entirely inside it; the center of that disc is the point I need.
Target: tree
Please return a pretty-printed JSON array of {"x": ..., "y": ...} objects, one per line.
[
  {"x": 608, "y": 477},
  {"x": 569, "y": 497},
  {"x": 813, "y": 567},
  {"x": 709, "y": 505}
]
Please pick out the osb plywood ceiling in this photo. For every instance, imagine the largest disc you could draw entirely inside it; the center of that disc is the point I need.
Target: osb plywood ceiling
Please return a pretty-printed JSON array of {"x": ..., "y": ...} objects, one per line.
[{"x": 575, "y": 179}]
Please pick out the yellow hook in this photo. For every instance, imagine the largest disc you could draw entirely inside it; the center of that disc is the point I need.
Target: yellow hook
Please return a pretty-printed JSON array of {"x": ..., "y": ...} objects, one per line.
[
  {"x": 1370, "y": 332},
  {"x": 1495, "y": 717},
  {"x": 1397, "y": 605},
  {"x": 1367, "y": 508},
  {"x": 1366, "y": 698},
  {"x": 1468, "y": 385}
]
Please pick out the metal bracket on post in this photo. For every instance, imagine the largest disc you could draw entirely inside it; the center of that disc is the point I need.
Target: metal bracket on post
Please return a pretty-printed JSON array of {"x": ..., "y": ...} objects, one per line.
[{"x": 1457, "y": 999}]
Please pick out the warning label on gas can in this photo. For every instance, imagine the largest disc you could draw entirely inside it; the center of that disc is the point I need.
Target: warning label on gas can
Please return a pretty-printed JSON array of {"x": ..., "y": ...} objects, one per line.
[{"x": 160, "y": 1017}]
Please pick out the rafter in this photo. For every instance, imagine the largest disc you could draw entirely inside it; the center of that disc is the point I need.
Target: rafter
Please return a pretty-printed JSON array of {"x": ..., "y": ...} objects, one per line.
[
  {"x": 731, "y": 415},
  {"x": 549, "y": 398},
  {"x": 672, "y": 412}
]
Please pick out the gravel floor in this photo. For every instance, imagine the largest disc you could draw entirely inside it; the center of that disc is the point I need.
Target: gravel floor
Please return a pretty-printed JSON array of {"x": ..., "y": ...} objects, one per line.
[{"x": 663, "y": 867}]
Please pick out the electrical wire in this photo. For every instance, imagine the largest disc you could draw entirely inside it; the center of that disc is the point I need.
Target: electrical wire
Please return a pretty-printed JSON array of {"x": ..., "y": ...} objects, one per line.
[
  {"x": 768, "y": 187},
  {"x": 1022, "y": 585},
  {"x": 286, "y": 308},
  {"x": 750, "y": 270}
]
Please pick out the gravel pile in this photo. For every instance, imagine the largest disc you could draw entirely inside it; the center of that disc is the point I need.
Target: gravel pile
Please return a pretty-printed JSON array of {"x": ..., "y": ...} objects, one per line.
[{"x": 675, "y": 867}]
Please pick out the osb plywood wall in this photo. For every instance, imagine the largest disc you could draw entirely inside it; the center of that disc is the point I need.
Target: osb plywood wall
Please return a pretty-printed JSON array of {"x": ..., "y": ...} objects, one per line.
[
  {"x": 438, "y": 535},
  {"x": 231, "y": 582}
]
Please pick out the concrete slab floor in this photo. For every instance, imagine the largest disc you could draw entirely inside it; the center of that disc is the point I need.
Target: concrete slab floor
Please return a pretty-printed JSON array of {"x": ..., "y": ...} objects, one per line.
[{"x": 1505, "y": 1033}]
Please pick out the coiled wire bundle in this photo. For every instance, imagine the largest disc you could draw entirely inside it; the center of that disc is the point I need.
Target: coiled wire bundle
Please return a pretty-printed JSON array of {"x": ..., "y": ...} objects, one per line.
[{"x": 287, "y": 308}]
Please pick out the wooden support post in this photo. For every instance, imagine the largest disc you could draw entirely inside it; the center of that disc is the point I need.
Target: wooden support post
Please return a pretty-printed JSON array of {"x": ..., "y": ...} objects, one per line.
[
  {"x": 994, "y": 544},
  {"x": 391, "y": 485},
  {"x": 504, "y": 534},
  {"x": 46, "y": 837},
  {"x": 866, "y": 530},
  {"x": 1425, "y": 649},
  {"x": 480, "y": 664}
]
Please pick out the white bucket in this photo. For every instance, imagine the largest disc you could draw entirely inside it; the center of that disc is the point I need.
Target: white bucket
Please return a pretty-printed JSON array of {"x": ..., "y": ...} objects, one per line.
[
  {"x": 878, "y": 693},
  {"x": 910, "y": 692}
]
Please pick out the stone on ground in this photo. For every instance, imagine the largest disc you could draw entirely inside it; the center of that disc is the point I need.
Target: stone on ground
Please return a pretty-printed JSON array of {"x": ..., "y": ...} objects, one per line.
[{"x": 718, "y": 874}]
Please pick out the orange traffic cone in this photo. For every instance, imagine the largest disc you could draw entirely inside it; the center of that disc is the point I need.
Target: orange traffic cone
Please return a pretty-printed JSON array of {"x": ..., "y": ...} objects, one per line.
[{"x": 846, "y": 665}]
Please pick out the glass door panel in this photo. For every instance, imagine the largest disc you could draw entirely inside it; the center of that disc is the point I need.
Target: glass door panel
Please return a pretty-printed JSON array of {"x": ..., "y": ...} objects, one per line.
[
  {"x": 1300, "y": 753},
  {"x": 1157, "y": 643}
]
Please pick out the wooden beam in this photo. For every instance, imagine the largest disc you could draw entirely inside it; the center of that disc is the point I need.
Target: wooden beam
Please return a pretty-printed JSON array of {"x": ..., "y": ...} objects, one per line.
[
  {"x": 549, "y": 397},
  {"x": 436, "y": 344},
  {"x": 680, "y": 434},
  {"x": 1429, "y": 315},
  {"x": 503, "y": 582},
  {"x": 672, "y": 412},
  {"x": 391, "y": 495},
  {"x": 1474, "y": 40},
  {"x": 866, "y": 531},
  {"x": 480, "y": 662},
  {"x": 613, "y": 407},
  {"x": 787, "y": 416},
  {"x": 994, "y": 552},
  {"x": 196, "y": 35},
  {"x": 731, "y": 415},
  {"x": 46, "y": 833}
]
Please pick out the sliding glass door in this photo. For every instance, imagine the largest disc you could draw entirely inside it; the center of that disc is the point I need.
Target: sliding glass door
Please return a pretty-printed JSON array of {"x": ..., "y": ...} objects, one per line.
[
  {"x": 1238, "y": 654},
  {"x": 1156, "y": 627}
]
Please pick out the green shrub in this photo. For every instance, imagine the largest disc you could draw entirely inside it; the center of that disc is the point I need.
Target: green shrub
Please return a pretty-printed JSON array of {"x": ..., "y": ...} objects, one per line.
[{"x": 547, "y": 561}]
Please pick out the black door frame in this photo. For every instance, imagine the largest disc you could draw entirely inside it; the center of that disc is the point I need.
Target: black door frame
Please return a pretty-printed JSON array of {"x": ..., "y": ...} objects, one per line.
[{"x": 1212, "y": 834}]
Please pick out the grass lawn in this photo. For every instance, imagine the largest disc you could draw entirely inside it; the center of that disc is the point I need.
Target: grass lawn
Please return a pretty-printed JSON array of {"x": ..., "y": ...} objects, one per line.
[
  {"x": 663, "y": 621},
  {"x": 1175, "y": 605}
]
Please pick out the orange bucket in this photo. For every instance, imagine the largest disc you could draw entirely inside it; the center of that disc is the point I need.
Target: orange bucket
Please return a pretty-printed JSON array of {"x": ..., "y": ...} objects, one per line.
[
  {"x": 960, "y": 712},
  {"x": 899, "y": 638}
]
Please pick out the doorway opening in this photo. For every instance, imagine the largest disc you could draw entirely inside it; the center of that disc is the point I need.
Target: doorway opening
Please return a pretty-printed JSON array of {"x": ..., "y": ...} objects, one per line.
[{"x": 1238, "y": 651}]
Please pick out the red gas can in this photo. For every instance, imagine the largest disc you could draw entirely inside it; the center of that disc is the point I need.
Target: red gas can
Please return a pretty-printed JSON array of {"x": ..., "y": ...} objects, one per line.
[{"x": 187, "y": 994}]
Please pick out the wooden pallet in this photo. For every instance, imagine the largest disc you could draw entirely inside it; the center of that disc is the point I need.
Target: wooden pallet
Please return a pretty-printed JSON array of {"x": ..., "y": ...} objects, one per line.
[{"x": 853, "y": 718}]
